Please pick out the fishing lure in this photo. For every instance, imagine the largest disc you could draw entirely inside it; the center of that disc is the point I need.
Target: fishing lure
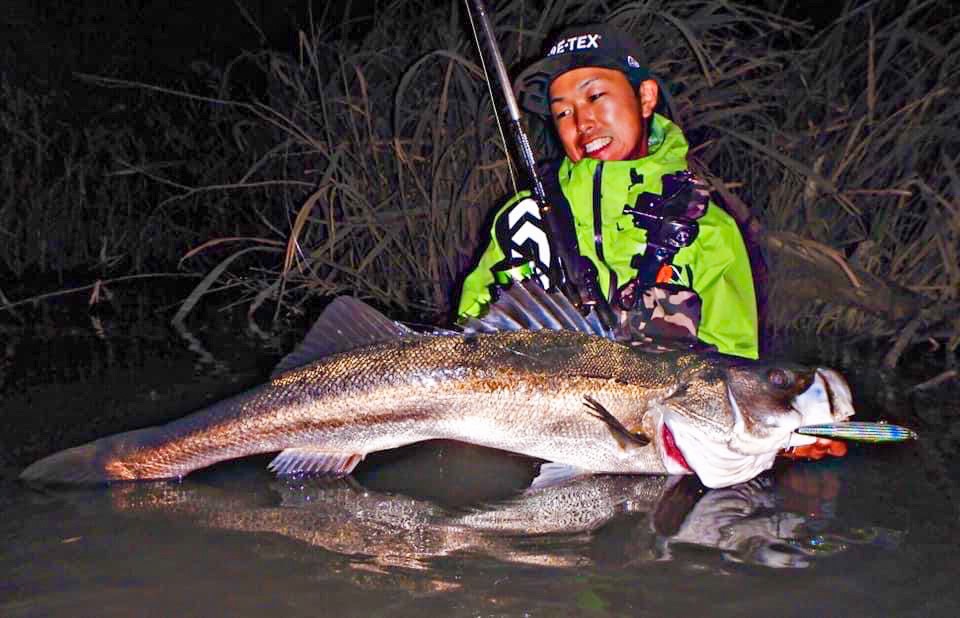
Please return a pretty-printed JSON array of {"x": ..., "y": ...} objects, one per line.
[{"x": 860, "y": 431}]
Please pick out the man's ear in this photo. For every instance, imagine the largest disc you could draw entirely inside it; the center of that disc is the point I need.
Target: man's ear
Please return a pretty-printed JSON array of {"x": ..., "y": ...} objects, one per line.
[{"x": 649, "y": 94}]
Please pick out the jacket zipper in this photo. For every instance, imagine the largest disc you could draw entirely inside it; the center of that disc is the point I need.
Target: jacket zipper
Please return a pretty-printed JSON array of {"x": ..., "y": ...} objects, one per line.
[
  {"x": 597, "y": 217},
  {"x": 610, "y": 293}
]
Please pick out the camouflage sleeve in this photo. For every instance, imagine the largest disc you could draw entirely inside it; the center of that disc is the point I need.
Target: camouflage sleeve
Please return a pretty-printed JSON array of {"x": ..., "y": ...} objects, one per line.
[{"x": 663, "y": 312}]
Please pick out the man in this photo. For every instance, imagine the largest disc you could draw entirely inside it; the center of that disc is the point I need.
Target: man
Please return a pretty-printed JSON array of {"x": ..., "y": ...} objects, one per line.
[{"x": 624, "y": 180}]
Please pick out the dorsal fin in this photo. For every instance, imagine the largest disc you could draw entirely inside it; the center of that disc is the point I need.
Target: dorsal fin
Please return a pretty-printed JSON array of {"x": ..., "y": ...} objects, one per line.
[
  {"x": 346, "y": 324},
  {"x": 527, "y": 306}
]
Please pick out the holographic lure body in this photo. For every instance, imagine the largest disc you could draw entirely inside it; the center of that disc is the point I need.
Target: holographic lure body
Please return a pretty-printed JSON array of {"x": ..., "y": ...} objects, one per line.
[{"x": 860, "y": 431}]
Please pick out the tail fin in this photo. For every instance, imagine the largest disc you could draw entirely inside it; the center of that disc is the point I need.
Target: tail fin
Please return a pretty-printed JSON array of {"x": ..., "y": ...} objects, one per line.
[{"x": 101, "y": 461}]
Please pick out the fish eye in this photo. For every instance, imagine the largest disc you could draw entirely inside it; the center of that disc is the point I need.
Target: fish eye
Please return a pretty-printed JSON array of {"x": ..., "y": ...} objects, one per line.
[{"x": 779, "y": 378}]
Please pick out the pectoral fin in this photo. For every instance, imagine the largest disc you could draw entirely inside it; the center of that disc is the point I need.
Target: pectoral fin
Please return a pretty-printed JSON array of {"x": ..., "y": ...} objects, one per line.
[
  {"x": 624, "y": 437},
  {"x": 310, "y": 460}
]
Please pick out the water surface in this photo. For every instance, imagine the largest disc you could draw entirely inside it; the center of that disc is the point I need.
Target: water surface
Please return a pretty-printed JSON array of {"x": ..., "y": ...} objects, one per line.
[{"x": 446, "y": 529}]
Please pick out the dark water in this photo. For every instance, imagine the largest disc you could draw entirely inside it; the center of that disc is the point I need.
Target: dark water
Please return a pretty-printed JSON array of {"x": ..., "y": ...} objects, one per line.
[{"x": 444, "y": 529}]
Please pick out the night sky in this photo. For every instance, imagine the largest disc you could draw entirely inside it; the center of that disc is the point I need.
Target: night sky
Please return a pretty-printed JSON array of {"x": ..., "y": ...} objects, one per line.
[
  {"x": 156, "y": 40},
  {"x": 140, "y": 39}
]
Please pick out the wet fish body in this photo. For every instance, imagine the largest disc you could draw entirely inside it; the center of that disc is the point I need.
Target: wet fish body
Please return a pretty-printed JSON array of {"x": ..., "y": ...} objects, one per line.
[{"x": 576, "y": 399}]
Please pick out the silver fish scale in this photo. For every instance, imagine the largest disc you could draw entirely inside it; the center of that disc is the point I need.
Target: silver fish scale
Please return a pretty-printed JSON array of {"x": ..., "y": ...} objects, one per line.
[{"x": 522, "y": 392}]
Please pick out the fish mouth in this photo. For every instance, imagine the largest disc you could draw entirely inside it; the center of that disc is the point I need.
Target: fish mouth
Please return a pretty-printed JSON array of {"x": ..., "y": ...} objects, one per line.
[
  {"x": 716, "y": 463},
  {"x": 827, "y": 400},
  {"x": 673, "y": 458},
  {"x": 750, "y": 447}
]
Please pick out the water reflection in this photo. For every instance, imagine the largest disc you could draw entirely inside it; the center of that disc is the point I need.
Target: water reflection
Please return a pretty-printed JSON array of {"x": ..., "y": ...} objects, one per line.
[
  {"x": 783, "y": 521},
  {"x": 447, "y": 518}
]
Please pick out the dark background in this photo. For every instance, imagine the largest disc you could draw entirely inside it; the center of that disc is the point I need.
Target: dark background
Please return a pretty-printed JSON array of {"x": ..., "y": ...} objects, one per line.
[
  {"x": 46, "y": 41},
  {"x": 156, "y": 40}
]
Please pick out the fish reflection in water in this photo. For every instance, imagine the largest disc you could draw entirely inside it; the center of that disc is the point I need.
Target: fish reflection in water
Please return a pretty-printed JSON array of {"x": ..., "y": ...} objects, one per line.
[
  {"x": 785, "y": 521},
  {"x": 775, "y": 526}
]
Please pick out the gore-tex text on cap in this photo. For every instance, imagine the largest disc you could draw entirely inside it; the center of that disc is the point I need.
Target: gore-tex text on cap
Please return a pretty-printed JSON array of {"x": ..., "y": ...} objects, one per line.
[{"x": 586, "y": 41}]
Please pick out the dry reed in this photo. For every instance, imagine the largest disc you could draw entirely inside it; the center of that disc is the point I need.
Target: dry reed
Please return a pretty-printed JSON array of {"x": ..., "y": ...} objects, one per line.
[{"x": 369, "y": 167}]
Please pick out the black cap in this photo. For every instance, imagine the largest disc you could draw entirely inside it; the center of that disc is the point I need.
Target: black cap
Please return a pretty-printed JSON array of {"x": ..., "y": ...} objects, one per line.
[{"x": 591, "y": 45}]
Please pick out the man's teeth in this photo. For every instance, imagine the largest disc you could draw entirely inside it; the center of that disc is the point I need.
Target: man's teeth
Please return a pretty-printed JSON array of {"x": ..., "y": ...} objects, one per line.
[{"x": 597, "y": 144}]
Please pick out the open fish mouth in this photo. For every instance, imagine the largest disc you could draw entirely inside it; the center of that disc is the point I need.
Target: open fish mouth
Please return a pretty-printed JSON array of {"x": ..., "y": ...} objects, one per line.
[
  {"x": 827, "y": 400},
  {"x": 721, "y": 457}
]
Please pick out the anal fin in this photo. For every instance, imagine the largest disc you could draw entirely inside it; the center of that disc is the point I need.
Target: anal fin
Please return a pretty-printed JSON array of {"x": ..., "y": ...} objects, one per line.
[{"x": 311, "y": 460}]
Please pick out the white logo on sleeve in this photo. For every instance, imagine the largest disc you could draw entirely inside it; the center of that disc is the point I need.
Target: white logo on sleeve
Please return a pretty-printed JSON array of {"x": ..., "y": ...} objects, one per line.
[
  {"x": 576, "y": 43},
  {"x": 524, "y": 223}
]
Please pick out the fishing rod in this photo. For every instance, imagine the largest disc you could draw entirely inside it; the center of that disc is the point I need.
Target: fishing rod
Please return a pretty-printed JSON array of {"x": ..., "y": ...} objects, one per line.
[{"x": 576, "y": 276}]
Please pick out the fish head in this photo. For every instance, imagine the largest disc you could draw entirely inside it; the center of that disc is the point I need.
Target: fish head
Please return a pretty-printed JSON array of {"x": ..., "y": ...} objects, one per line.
[{"x": 727, "y": 423}]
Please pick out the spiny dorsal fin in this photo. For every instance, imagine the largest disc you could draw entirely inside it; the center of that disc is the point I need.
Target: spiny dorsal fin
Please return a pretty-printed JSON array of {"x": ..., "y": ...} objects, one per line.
[
  {"x": 346, "y": 324},
  {"x": 526, "y": 306}
]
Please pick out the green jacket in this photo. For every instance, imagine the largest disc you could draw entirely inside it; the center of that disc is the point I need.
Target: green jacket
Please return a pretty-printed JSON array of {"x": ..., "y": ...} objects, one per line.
[{"x": 715, "y": 266}]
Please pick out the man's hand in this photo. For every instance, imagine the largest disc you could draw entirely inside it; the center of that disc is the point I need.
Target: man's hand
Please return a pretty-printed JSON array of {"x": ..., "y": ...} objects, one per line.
[{"x": 818, "y": 450}]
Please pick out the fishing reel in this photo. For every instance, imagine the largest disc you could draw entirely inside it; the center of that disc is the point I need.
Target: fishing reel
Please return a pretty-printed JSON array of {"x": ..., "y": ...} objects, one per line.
[{"x": 670, "y": 220}]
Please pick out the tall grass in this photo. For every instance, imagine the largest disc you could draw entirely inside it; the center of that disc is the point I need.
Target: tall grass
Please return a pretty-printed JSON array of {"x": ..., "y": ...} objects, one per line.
[
  {"x": 54, "y": 175},
  {"x": 80, "y": 192},
  {"x": 865, "y": 161},
  {"x": 370, "y": 167},
  {"x": 400, "y": 141}
]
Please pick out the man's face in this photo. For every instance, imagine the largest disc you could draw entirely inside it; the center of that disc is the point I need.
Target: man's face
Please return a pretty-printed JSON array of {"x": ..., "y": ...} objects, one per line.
[{"x": 597, "y": 114}]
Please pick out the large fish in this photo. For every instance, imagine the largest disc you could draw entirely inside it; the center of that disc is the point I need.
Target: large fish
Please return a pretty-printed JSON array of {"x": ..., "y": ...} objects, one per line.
[{"x": 534, "y": 377}]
